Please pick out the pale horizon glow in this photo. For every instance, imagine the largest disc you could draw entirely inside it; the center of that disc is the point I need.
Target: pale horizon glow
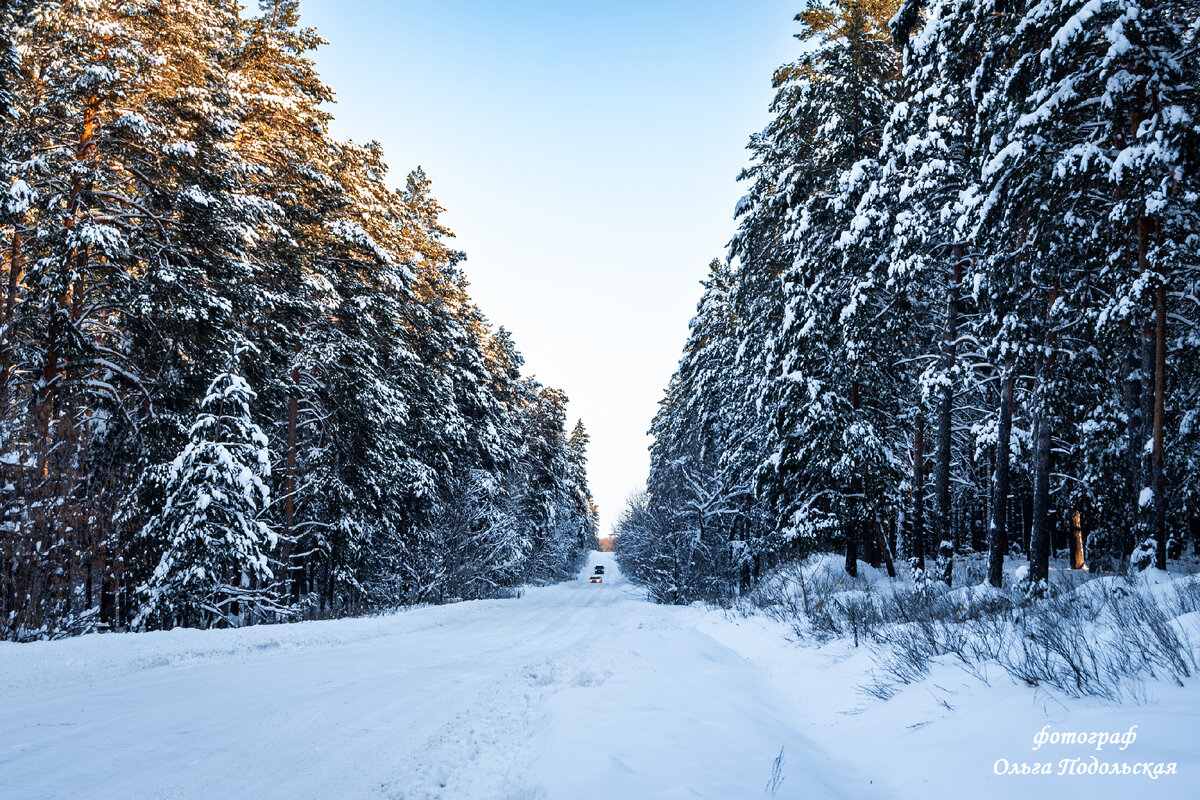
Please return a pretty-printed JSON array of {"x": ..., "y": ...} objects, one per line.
[{"x": 586, "y": 156}]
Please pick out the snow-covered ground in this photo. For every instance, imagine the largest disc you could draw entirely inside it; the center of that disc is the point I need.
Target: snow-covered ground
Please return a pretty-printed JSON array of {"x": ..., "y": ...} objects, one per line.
[{"x": 572, "y": 691}]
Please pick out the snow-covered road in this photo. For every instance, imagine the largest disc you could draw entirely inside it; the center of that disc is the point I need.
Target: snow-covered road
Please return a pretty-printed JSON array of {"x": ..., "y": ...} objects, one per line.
[
  {"x": 575, "y": 690},
  {"x": 571, "y": 691}
]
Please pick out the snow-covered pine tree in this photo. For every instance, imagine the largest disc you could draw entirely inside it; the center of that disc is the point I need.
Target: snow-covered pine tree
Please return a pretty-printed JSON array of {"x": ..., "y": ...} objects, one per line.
[
  {"x": 15, "y": 551},
  {"x": 1146, "y": 121},
  {"x": 929, "y": 171},
  {"x": 215, "y": 566},
  {"x": 289, "y": 155},
  {"x": 479, "y": 545},
  {"x": 1088, "y": 129},
  {"x": 12, "y": 210},
  {"x": 132, "y": 237},
  {"x": 191, "y": 278},
  {"x": 365, "y": 389},
  {"x": 76, "y": 62}
]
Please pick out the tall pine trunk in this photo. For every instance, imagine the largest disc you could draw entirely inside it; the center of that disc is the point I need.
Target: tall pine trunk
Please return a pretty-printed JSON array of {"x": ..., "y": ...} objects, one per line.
[
  {"x": 882, "y": 543},
  {"x": 917, "y": 548},
  {"x": 852, "y": 551},
  {"x": 7, "y": 321},
  {"x": 997, "y": 528},
  {"x": 1076, "y": 540},
  {"x": 1039, "y": 535},
  {"x": 858, "y": 488},
  {"x": 65, "y": 305},
  {"x": 1158, "y": 474},
  {"x": 941, "y": 475},
  {"x": 1145, "y": 497},
  {"x": 289, "y": 502},
  {"x": 1151, "y": 505},
  {"x": 1135, "y": 431}
]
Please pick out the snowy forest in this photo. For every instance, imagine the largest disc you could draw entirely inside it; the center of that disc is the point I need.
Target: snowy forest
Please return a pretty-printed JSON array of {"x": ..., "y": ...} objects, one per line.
[
  {"x": 285, "y": 514},
  {"x": 241, "y": 377},
  {"x": 960, "y": 317}
]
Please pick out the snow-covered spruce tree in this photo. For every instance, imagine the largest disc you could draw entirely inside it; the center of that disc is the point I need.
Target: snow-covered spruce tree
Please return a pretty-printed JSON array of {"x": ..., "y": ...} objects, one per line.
[
  {"x": 577, "y": 486},
  {"x": 527, "y": 515},
  {"x": 757, "y": 308},
  {"x": 688, "y": 486},
  {"x": 758, "y": 253},
  {"x": 194, "y": 278},
  {"x": 471, "y": 395},
  {"x": 367, "y": 391},
  {"x": 215, "y": 567},
  {"x": 542, "y": 493},
  {"x": 829, "y": 459},
  {"x": 479, "y": 543}
]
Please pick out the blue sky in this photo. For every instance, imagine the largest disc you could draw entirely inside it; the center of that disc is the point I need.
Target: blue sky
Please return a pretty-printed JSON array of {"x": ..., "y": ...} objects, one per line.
[{"x": 586, "y": 154}]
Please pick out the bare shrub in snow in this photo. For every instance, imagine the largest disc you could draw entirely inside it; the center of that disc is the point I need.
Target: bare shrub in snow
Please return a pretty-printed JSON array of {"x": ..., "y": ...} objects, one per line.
[{"x": 1079, "y": 635}]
